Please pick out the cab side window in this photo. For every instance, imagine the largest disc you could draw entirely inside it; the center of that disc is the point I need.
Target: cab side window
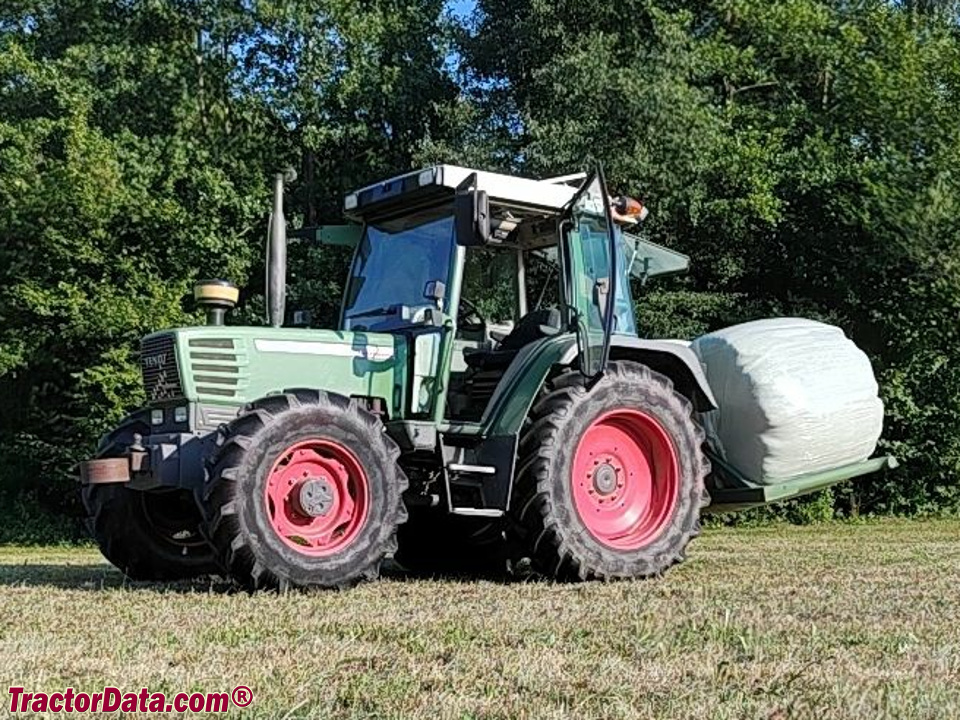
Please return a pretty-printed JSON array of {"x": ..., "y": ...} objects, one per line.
[{"x": 489, "y": 283}]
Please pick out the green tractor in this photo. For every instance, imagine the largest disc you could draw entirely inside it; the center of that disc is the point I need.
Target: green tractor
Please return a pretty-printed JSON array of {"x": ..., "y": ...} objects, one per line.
[{"x": 550, "y": 433}]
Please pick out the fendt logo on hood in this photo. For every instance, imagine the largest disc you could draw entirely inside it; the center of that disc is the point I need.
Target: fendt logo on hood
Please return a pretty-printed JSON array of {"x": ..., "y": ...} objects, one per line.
[{"x": 155, "y": 362}]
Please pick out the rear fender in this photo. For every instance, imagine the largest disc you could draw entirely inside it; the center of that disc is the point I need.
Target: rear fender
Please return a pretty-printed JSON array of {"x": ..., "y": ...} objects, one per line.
[
  {"x": 518, "y": 388},
  {"x": 520, "y": 385},
  {"x": 671, "y": 358}
]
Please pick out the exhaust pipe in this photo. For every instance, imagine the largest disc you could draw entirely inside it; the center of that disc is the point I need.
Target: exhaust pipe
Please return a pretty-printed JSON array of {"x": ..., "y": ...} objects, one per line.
[{"x": 277, "y": 252}]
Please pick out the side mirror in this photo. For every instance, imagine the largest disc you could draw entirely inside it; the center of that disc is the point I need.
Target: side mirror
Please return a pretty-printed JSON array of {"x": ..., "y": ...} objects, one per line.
[
  {"x": 435, "y": 290},
  {"x": 471, "y": 210}
]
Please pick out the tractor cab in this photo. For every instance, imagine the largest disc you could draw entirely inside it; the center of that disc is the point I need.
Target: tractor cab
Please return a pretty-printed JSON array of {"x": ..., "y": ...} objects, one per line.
[{"x": 477, "y": 268}]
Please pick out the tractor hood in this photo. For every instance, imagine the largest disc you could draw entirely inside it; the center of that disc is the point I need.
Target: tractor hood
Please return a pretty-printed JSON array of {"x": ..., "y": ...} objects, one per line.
[{"x": 235, "y": 365}]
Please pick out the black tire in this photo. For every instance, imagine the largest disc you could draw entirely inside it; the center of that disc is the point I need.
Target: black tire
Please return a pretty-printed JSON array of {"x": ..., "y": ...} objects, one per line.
[
  {"x": 147, "y": 535},
  {"x": 239, "y": 525},
  {"x": 546, "y": 522}
]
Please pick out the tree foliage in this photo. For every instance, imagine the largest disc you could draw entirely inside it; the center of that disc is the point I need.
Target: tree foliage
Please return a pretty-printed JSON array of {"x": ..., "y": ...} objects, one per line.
[
  {"x": 804, "y": 154},
  {"x": 136, "y": 139}
]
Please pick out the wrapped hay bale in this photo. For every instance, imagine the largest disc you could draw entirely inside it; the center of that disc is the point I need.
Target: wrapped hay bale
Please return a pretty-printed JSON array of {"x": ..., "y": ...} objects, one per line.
[{"x": 795, "y": 396}]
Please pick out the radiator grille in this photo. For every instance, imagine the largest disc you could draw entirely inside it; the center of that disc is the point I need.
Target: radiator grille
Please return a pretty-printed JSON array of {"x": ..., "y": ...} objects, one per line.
[
  {"x": 158, "y": 365},
  {"x": 215, "y": 367}
]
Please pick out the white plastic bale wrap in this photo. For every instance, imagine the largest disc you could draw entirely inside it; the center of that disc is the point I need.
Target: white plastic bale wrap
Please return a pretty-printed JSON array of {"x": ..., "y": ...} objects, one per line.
[{"x": 795, "y": 396}]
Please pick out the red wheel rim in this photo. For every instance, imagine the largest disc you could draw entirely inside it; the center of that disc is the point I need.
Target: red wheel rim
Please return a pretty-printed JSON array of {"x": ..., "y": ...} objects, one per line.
[
  {"x": 625, "y": 479},
  {"x": 317, "y": 497}
]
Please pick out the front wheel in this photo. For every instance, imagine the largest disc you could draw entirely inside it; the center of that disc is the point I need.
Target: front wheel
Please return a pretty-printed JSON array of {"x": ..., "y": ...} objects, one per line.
[
  {"x": 148, "y": 535},
  {"x": 611, "y": 477},
  {"x": 305, "y": 491}
]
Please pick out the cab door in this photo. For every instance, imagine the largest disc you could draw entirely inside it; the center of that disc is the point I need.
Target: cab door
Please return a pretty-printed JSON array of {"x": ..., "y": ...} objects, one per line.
[{"x": 589, "y": 250}]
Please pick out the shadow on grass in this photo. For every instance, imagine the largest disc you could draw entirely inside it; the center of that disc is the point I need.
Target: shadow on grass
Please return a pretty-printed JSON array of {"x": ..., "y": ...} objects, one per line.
[
  {"x": 97, "y": 578},
  {"x": 445, "y": 572}
]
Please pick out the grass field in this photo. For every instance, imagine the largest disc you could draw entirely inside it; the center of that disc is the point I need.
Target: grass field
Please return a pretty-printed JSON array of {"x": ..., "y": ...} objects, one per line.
[{"x": 836, "y": 621}]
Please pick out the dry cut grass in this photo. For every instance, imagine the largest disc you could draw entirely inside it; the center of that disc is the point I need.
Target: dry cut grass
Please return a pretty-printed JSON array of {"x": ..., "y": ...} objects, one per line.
[{"x": 834, "y": 621}]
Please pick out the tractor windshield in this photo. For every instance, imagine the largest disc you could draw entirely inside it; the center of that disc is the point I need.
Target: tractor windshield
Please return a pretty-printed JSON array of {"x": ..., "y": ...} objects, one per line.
[{"x": 393, "y": 265}]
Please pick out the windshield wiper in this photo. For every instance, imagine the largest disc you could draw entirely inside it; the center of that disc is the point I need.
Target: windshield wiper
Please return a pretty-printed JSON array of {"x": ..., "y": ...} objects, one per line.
[{"x": 389, "y": 310}]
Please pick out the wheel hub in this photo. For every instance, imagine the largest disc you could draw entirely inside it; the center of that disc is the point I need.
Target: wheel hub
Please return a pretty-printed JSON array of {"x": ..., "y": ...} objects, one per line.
[
  {"x": 315, "y": 497},
  {"x": 625, "y": 479},
  {"x": 605, "y": 479}
]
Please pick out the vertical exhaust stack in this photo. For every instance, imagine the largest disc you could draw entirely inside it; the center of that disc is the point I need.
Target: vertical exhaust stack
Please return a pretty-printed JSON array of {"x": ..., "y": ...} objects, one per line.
[{"x": 277, "y": 252}]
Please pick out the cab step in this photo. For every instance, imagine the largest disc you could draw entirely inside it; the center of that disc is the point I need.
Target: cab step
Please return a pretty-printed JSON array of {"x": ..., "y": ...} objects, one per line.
[
  {"x": 472, "y": 469},
  {"x": 477, "y": 512}
]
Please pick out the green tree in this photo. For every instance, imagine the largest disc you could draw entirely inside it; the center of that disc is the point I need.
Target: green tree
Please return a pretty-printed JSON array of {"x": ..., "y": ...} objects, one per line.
[
  {"x": 802, "y": 152},
  {"x": 125, "y": 172},
  {"x": 358, "y": 88},
  {"x": 136, "y": 141}
]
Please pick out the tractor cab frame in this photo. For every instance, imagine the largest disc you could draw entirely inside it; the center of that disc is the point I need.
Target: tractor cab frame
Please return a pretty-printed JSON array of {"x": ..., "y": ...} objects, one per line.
[{"x": 473, "y": 380}]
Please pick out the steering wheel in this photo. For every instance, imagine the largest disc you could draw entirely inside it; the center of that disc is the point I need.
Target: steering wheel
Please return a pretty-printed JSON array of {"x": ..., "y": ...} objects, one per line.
[{"x": 469, "y": 317}]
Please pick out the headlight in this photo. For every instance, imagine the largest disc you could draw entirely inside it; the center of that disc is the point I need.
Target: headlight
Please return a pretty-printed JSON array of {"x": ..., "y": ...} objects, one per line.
[
  {"x": 180, "y": 414},
  {"x": 156, "y": 417}
]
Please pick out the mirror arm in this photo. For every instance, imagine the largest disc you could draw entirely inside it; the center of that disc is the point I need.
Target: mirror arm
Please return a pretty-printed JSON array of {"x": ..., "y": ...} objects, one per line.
[{"x": 471, "y": 209}]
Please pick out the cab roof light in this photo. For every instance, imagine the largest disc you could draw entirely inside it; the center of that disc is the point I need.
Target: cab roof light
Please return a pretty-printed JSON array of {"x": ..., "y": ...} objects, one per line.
[{"x": 627, "y": 210}]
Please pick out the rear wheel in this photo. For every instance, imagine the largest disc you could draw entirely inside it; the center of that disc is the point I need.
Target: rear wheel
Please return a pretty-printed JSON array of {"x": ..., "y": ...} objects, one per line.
[
  {"x": 611, "y": 478},
  {"x": 147, "y": 535},
  {"x": 305, "y": 491}
]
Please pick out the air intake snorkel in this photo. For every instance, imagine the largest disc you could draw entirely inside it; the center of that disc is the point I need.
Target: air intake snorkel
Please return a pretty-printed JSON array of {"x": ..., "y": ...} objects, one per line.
[{"x": 276, "y": 285}]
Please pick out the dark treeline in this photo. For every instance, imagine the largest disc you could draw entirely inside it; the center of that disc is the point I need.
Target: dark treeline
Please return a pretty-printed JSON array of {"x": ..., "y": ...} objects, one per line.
[{"x": 804, "y": 154}]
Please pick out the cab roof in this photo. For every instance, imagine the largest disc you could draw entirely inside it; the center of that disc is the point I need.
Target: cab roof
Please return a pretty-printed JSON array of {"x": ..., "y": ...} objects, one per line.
[
  {"x": 434, "y": 184},
  {"x": 533, "y": 205}
]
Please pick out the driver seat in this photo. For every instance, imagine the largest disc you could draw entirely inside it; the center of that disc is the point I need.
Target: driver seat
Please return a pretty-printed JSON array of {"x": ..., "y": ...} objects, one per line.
[{"x": 533, "y": 326}]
